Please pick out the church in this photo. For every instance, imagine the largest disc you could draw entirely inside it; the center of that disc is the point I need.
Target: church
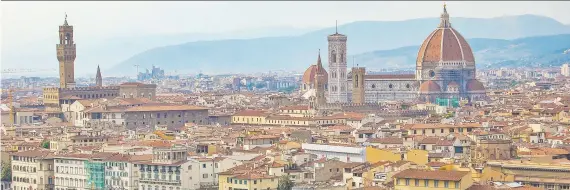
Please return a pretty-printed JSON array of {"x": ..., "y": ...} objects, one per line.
[{"x": 445, "y": 68}]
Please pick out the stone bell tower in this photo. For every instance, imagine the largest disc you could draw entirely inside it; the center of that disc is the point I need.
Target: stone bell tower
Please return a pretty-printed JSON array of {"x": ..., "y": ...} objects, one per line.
[
  {"x": 66, "y": 55},
  {"x": 320, "y": 83},
  {"x": 358, "y": 90},
  {"x": 338, "y": 91}
]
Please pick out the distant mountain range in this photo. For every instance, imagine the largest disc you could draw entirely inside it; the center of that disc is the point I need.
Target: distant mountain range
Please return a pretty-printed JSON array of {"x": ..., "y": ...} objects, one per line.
[
  {"x": 372, "y": 43},
  {"x": 531, "y": 51}
]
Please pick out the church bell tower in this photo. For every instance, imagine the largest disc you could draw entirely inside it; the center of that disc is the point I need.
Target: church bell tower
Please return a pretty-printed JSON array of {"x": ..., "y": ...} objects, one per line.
[
  {"x": 338, "y": 91},
  {"x": 66, "y": 55},
  {"x": 320, "y": 83}
]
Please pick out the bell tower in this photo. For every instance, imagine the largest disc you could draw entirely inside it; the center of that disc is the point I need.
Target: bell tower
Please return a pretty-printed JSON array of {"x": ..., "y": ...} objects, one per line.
[
  {"x": 358, "y": 91},
  {"x": 338, "y": 91},
  {"x": 66, "y": 55},
  {"x": 320, "y": 83}
]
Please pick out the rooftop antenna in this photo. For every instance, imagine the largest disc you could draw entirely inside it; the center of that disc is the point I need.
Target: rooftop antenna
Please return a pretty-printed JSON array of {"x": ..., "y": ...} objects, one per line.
[{"x": 336, "y": 27}]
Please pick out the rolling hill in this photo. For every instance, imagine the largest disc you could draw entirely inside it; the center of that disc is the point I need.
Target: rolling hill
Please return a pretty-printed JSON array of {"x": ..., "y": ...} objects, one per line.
[
  {"x": 531, "y": 51},
  {"x": 372, "y": 42}
]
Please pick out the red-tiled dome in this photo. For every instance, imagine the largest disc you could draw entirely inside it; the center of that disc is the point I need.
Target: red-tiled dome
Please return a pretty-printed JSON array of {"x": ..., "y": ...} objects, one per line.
[
  {"x": 445, "y": 44},
  {"x": 429, "y": 86},
  {"x": 309, "y": 75},
  {"x": 474, "y": 85}
]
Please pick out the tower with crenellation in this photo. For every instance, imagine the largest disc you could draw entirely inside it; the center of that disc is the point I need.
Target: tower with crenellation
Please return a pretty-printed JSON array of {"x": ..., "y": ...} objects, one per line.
[{"x": 66, "y": 55}]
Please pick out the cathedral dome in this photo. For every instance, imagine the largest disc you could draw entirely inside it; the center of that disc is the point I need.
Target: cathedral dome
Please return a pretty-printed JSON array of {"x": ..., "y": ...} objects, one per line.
[
  {"x": 445, "y": 44},
  {"x": 309, "y": 75},
  {"x": 474, "y": 85},
  {"x": 429, "y": 87}
]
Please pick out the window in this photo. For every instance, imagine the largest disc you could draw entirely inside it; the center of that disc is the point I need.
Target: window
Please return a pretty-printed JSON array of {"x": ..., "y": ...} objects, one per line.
[
  {"x": 206, "y": 176},
  {"x": 417, "y": 182},
  {"x": 446, "y": 184},
  {"x": 254, "y": 181},
  {"x": 435, "y": 183},
  {"x": 426, "y": 182},
  {"x": 432, "y": 130},
  {"x": 407, "y": 182},
  {"x": 457, "y": 185},
  {"x": 398, "y": 181},
  {"x": 203, "y": 165}
]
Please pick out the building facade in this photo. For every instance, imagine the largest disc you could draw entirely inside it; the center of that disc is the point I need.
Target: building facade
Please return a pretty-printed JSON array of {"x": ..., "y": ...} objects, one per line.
[
  {"x": 32, "y": 170},
  {"x": 169, "y": 169}
]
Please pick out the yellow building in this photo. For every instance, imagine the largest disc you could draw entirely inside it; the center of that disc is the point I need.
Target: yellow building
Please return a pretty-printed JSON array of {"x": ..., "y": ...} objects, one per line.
[
  {"x": 296, "y": 111},
  {"x": 440, "y": 129},
  {"x": 419, "y": 157},
  {"x": 543, "y": 175},
  {"x": 374, "y": 155},
  {"x": 251, "y": 117},
  {"x": 247, "y": 181},
  {"x": 412, "y": 179}
]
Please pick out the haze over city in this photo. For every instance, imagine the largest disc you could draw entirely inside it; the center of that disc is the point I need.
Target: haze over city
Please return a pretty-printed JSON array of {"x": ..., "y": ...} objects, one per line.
[{"x": 100, "y": 24}]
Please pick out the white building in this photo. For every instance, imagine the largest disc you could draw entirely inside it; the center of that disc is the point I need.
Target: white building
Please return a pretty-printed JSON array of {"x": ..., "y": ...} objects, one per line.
[
  {"x": 343, "y": 153},
  {"x": 169, "y": 169},
  {"x": 70, "y": 172},
  {"x": 120, "y": 173}
]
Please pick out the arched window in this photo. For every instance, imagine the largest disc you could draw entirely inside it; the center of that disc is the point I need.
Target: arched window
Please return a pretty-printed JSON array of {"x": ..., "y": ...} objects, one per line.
[
  {"x": 67, "y": 38},
  {"x": 342, "y": 56}
]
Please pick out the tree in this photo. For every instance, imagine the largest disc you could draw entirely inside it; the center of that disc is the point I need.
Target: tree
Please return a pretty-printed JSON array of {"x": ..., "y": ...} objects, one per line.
[
  {"x": 6, "y": 172},
  {"x": 45, "y": 144},
  {"x": 285, "y": 183}
]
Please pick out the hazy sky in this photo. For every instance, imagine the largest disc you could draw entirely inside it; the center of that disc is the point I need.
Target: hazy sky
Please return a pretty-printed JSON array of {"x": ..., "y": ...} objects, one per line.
[{"x": 24, "y": 22}]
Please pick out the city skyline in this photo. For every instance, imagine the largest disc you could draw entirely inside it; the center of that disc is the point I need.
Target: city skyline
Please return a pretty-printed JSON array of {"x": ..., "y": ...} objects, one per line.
[{"x": 450, "y": 99}]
